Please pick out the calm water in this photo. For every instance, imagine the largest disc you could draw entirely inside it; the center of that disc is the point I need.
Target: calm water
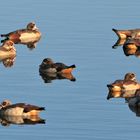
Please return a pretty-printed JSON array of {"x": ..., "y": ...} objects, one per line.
[{"x": 73, "y": 32}]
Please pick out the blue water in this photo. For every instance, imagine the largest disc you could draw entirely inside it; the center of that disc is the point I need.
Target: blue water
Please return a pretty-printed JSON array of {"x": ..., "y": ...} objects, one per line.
[{"x": 73, "y": 32}]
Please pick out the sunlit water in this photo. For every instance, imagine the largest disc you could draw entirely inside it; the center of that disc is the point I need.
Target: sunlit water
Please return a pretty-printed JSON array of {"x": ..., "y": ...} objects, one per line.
[{"x": 73, "y": 32}]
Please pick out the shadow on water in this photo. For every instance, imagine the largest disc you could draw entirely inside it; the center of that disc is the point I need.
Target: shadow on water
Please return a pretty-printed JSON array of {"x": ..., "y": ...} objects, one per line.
[{"x": 18, "y": 120}]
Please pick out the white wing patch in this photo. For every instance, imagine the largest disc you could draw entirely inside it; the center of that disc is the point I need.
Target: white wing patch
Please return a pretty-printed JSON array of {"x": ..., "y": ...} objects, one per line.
[
  {"x": 29, "y": 37},
  {"x": 18, "y": 111}
]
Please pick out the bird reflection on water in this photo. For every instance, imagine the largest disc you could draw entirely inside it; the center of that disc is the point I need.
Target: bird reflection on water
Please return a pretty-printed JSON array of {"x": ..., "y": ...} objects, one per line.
[
  {"x": 132, "y": 98},
  {"x": 28, "y": 36},
  {"x": 49, "y": 77},
  {"x": 19, "y": 120},
  {"x": 128, "y": 89},
  {"x": 49, "y": 70},
  {"x": 7, "y": 53},
  {"x": 130, "y": 46},
  {"x": 119, "y": 42},
  {"x": 131, "y": 43},
  {"x": 8, "y": 62},
  {"x": 20, "y": 113}
]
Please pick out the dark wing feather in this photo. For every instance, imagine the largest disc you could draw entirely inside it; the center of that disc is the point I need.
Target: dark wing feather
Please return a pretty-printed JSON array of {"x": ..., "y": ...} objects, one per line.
[
  {"x": 29, "y": 107},
  {"x": 60, "y": 66},
  {"x": 14, "y": 105}
]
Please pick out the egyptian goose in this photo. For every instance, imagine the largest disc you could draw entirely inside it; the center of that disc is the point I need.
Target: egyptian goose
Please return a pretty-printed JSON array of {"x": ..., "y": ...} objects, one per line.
[
  {"x": 19, "y": 109},
  {"x": 7, "y": 50},
  {"x": 48, "y": 66},
  {"x": 128, "y": 83},
  {"x": 29, "y": 36},
  {"x": 123, "y": 34}
]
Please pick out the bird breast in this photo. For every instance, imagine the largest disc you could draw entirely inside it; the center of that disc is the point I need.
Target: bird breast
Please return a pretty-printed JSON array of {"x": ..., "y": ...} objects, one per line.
[
  {"x": 29, "y": 37},
  {"x": 17, "y": 111}
]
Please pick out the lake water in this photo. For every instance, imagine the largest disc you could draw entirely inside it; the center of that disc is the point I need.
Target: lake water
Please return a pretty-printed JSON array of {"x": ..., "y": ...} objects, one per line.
[{"x": 73, "y": 32}]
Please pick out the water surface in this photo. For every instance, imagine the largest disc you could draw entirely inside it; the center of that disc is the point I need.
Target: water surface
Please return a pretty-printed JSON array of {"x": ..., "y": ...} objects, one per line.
[{"x": 73, "y": 32}]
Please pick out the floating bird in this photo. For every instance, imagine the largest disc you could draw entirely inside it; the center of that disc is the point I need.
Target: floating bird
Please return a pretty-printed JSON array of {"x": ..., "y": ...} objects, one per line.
[
  {"x": 48, "y": 66},
  {"x": 19, "y": 109},
  {"x": 128, "y": 83},
  {"x": 28, "y": 36},
  {"x": 7, "y": 50},
  {"x": 131, "y": 46},
  {"x": 123, "y": 34}
]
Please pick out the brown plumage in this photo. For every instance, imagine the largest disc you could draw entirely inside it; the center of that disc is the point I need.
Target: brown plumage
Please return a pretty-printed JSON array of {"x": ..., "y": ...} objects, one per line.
[
  {"x": 123, "y": 34},
  {"x": 121, "y": 94},
  {"x": 131, "y": 47},
  {"x": 29, "y": 35},
  {"x": 119, "y": 42},
  {"x": 48, "y": 66},
  {"x": 128, "y": 83},
  {"x": 7, "y": 50},
  {"x": 19, "y": 109},
  {"x": 20, "y": 120}
]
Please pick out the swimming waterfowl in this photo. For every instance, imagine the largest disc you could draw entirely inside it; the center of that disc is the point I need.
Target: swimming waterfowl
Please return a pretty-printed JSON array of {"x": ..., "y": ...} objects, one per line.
[
  {"x": 125, "y": 88},
  {"x": 7, "y": 50},
  {"x": 128, "y": 83},
  {"x": 134, "y": 103},
  {"x": 48, "y": 66},
  {"x": 123, "y": 34},
  {"x": 121, "y": 94},
  {"x": 29, "y": 36},
  {"x": 19, "y": 109},
  {"x": 132, "y": 42}
]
